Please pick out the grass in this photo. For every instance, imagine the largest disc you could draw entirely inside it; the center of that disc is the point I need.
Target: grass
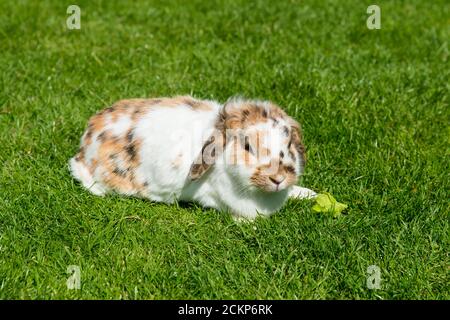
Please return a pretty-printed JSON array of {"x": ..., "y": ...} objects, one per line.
[{"x": 374, "y": 105}]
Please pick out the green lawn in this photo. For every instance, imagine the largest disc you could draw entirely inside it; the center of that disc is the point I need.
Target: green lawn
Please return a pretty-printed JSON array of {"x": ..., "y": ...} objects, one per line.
[{"x": 374, "y": 105}]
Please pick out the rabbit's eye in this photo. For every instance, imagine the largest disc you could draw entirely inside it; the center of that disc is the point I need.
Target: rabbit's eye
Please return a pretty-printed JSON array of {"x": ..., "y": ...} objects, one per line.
[
  {"x": 247, "y": 146},
  {"x": 290, "y": 169}
]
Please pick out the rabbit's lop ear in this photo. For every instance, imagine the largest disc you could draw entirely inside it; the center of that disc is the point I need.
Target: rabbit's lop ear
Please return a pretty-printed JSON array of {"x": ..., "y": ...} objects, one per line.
[
  {"x": 211, "y": 149},
  {"x": 297, "y": 140}
]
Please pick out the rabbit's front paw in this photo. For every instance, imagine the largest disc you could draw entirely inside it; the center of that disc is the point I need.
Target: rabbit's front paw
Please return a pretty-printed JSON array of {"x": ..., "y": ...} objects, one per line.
[{"x": 301, "y": 193}]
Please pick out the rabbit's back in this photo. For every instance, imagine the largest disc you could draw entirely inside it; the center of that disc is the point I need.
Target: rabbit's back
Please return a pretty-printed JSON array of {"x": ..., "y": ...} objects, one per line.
[{"x": 143, "y": 147}]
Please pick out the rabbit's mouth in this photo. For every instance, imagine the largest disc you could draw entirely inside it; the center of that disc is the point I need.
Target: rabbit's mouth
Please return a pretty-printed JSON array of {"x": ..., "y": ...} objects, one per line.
[
  {"x": 271, "y": 185},
  {"x": 275, "y": 182}
]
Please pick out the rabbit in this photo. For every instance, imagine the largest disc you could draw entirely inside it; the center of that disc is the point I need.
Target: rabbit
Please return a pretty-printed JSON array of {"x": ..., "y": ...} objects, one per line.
[{"x": 244, "y": 156}]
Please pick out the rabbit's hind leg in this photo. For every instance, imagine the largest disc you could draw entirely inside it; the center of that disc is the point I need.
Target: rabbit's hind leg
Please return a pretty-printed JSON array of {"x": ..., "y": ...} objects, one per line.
[{"x": 81, "y": 173}]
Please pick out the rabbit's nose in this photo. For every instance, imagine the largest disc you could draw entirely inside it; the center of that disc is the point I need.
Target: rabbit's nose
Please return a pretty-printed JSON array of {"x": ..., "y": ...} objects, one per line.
[{"x": 277, "y": 179}]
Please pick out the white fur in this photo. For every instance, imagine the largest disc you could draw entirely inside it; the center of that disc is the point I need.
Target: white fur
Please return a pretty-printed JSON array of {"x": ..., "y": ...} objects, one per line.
[
  {"x": 302, "y": 193},
  {"x": 82, "y": 174}
]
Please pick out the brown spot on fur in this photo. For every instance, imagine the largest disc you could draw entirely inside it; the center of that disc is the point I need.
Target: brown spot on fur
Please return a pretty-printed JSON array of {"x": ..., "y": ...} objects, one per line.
[
  {"x": 258, "y": 179},
  {"x": 119, "y": 183},
  {"x": 102, "y": 136},
  {"x": 87, "y": 138},
  {"x": 93, "y": 166},
  {"x": 289, "y": 169},
  {"x": 130, "y": 135},
  {"x": 89, "y": 133},
  {"x": 155, "y": 101},
  {"x": 96, "y": 123},
  {"x": 195, "y": 104},
  {"x": 131, "y": 107},
  {"x": 137, "y": 114},
  {"x": 117, "y": 160},
  {"x": 130, "y": 103},
  {"x": 120, "y": 172},
  {"x": 131, "y": 150},
  {"x": 238, "y": 118},
  {"x": 242, "y": 114},
  {"x": 136, "y": 108},
  {"x": 80, "y": 154}
]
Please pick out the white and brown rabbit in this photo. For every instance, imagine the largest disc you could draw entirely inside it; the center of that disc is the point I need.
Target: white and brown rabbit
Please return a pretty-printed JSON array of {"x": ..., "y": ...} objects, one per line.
[{"x": 244, "y": 156}]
